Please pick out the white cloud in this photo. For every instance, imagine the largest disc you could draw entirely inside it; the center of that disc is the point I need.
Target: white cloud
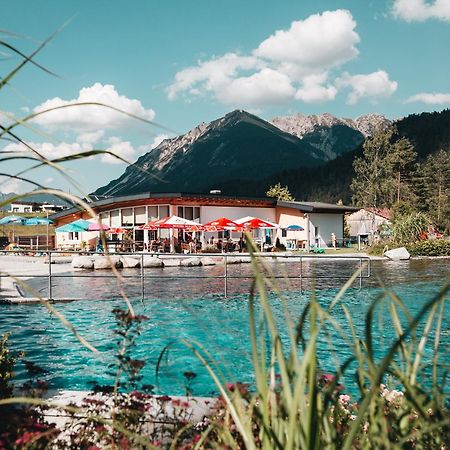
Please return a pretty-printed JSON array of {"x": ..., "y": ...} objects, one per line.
[
  {"x": 210, "y": 75},
  {"x": 90, "y": 138},
  {"x": 313, "y": 90},
  {"x": 124, "y": 149},
  {"x": 420, "y": 10},
  {"x": 11, "y": 185},
  {"x": 435, "y": 98},
  {"x": 92, "y": 118},
  {"x": 374, "y": 85},
  {"x": 49, "y": 180},
  {"x": 320, "y": 41},
  {"x": 266, "y": 87},
  {"x": 277, "y": 70}
]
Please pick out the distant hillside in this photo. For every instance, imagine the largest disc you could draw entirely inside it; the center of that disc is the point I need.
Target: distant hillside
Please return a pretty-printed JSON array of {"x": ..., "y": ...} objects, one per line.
[
  {"x": 240, "y": 148},
  {"x": 38, "y": 198},
  {"x": 429, "y": 132}
]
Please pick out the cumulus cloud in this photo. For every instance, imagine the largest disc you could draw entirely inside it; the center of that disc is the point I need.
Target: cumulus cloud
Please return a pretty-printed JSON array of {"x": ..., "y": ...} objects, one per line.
[
  {"x": 374, "y": 86},
  {"x": 278, "y": 70},
  {"x": 124, "y": 149},
  {"x": 210, "y": 75},
  {"x": 435, "y": 98},
  {"x": 11, "y": 185},
  {"x": 266, "y": 87},
  {"x": 313, "y": 89},
  {"x": 92, "y": 118},
  {"x": 320, "y": 41},
  {"x": 420, "y": 10}
]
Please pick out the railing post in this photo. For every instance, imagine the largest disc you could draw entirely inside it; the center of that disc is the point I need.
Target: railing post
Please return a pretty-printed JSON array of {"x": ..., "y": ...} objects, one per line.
[
  {"x": 301, "y": 274},
  {"x": 360, "y": 273},
  {"x": 142, "y": 277},
  {"x": 50, "y": 294},
  {"x": 226, "y": 277}
]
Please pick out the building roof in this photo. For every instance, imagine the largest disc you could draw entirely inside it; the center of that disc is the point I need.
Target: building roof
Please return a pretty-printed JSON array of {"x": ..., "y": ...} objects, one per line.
[
  {"x": 105, "y": 203},
  {"x": 386, "y": 213},
  {"x": 317, "y": 207}
]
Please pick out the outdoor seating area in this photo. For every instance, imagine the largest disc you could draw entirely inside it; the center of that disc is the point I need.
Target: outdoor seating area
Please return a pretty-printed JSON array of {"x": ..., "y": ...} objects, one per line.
[{"x": 179, "y": 236}]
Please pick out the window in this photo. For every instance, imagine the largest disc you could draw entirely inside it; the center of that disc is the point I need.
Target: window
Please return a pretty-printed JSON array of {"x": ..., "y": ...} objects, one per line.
[
  {"x": 140, "y": 215},
  {"x": 284, "y": 232},
  {"x": 15, "y": 209},
  {"x": 27, "y": 209},
  {"x": 127, "y": 216},
  {"x": 189, "y": 212},
  {"x": 152, "y": 213},
  {"x": 115, "y": 219},
  {"x": 74, "y": 236},
  {"x": 163, "y": 211}
]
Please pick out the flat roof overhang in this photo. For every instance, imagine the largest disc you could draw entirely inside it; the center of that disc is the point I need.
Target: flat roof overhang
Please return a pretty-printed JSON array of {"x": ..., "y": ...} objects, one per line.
[
  {"x": 150, "y": 198},
  {"x": 318, "y": 207}
]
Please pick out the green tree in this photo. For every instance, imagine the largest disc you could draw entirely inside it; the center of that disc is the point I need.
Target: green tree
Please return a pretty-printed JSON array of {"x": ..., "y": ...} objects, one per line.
[
  {"x": 280, "y": 193},
  {"x": 433, "y": 187},
  {"x": 372, "y": 184},
  {"x": 401, "y": 159}
]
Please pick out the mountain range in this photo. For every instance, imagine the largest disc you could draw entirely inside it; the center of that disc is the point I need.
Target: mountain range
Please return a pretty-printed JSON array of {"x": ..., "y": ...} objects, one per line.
[{"x": 242, "y": 154}]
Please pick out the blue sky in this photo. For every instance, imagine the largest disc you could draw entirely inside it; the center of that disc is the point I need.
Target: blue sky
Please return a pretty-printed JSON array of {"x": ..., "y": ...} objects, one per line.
[{"x": 182, "y": 62}]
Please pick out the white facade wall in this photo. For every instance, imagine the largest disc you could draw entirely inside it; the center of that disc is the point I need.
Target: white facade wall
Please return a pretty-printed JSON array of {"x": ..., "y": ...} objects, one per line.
[
  {"x": 364, "y": 222},
  {"x": 209, "y": 213},
  {"x": 322, "y": 225},
  {"x": 21, "y": 208}
]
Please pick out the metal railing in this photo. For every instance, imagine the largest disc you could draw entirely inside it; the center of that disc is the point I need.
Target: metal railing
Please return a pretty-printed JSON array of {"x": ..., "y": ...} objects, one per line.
[{"x": 364, "y": 267}]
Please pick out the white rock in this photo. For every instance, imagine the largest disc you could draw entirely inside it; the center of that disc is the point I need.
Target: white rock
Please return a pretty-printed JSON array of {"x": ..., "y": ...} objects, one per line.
[
  {"x": 130, "y": 263},
  {"x": 233, "y": 260},
  {"x": 171, "y": 262},
  {"x": 103, "y": 262},
  {"x": 246, "y": 259},
  {"x": 208, "y": 261},
  {"x": 397, "y": 254},
  {"x": 83, "y": 262},
  {"x": 152, "y": 261},
  {"x": 191, "y": 262}
]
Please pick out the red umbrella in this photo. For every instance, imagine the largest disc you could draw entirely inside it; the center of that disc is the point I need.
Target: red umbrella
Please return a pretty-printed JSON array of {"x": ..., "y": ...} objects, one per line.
[
  {"x": 221, "y": 224},
  {"x": 254, "y": 223},
  {"x": 170, "y": 223},
  {"x": 116, "y": 230}
]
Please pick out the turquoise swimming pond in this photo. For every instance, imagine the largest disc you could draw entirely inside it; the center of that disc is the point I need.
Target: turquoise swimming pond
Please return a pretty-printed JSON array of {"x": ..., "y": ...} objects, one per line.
[{"x": 221, "y": 325}]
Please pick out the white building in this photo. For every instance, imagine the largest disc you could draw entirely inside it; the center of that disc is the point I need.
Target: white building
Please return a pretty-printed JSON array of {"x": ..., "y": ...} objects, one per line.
[
  {"x": 366, "y": 221},
  {"x": 319, "y": 220}
]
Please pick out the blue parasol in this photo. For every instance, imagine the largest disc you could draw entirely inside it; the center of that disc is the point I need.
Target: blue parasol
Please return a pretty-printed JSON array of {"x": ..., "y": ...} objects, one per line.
[
  {"x": 12, "y": 220},
  {"x": 294, "y": 228},
  {"x": 38, "y": 221}
]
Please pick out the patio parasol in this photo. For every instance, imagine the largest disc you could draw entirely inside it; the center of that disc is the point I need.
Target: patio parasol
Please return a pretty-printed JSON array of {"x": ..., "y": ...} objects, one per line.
[
  {"x": 34, "y": 221},
  {"x": 12, "y": 220},
  {"x": 95, "y": 226},
  {"x": 75, "y": 226},
  {"x": 170, "y": 223},
  {"x": 254, "y": 223},
  {"x": 294, "y": 228}
]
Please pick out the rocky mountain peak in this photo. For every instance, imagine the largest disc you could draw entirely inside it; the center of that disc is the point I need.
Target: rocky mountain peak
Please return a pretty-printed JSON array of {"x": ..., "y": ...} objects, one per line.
[{"x": 300, "y": 125}]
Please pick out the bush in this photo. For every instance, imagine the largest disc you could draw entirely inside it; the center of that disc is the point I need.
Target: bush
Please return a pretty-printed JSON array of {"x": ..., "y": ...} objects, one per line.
[
  {"x": 431, "y": 247},
  {"x": 408, "y": 227},
  {"x": 377, "y": 249}
]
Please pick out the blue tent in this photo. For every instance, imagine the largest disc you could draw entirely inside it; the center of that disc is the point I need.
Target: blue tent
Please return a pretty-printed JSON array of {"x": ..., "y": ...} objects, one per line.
[
  {"x": 76, "y": 226},
  {"x": 12, "y": 220},
  {"x": 38, "y": 221}
]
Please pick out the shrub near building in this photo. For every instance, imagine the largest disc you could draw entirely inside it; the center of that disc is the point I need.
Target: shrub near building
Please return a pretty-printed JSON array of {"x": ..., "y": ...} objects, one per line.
[{"x": 430, "y": 247}]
